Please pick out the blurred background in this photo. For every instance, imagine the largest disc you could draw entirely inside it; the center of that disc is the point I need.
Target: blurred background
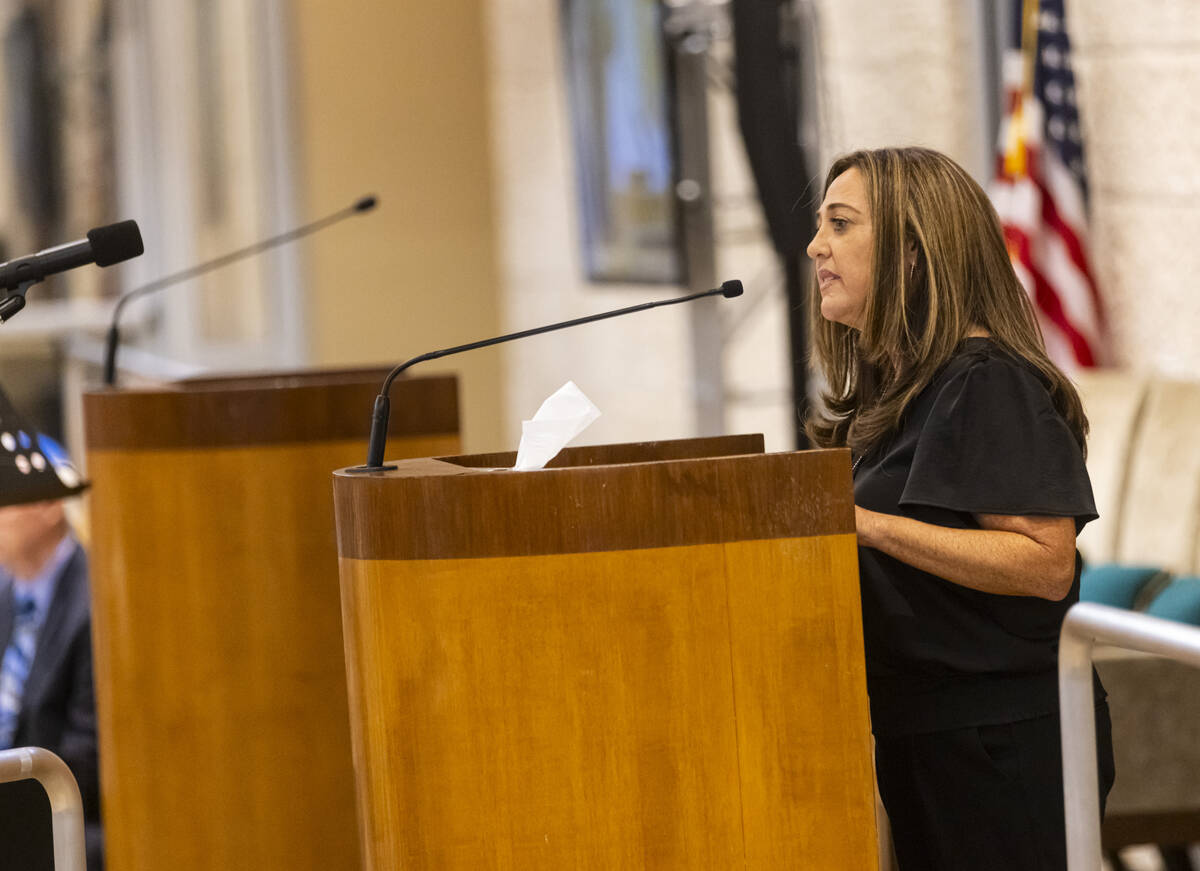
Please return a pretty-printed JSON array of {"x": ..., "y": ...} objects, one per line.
[{"x": 538, "y": 160}]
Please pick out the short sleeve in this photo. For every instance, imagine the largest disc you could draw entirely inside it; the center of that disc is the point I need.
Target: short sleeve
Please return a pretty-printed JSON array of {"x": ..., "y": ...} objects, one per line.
[{"x": 994, "y": 443}]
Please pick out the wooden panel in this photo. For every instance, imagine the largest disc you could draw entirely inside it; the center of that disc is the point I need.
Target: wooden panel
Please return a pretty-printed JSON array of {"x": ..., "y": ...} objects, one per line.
[
  {"x": 633, "y": 452},
  {"x": 427, "y": 509},
  {"x": 219, "y": 659},
  {"x": 697, "y": 707},
  {"x": 276, "y": 409},
  {"x": 808, "y": 776}
]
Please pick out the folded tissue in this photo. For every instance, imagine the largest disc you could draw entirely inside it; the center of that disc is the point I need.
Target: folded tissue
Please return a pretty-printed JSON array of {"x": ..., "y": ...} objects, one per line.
[{"x": 564, "y": 415}]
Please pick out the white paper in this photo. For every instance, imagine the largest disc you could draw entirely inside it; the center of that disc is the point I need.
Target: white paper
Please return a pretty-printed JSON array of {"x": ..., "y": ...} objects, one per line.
[{"x": 564, "y": 415}]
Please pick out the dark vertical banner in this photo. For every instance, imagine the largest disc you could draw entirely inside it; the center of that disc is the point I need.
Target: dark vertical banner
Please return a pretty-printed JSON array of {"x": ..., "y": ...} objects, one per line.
[
  {"x": 83, "y": 45},
  {"x": 768, "y": 86},
  {"x": 58, "y": 152},
  {"x": 32, "y": 121}
]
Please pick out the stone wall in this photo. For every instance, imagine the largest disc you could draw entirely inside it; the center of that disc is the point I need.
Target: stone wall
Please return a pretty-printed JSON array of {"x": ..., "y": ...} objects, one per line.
[
  {"x": 902, "y": 73},
  {"x": 1137, "y": 68}
]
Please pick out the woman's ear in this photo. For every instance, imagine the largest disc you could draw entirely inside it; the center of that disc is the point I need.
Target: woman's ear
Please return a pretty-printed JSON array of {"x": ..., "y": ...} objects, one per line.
[{"x": 910, "y": 253}]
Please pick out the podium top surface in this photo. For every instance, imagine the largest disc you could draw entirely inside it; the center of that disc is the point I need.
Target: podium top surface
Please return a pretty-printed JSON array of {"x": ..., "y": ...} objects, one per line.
[
  {"x": 600, "y": 498},
  {"x": 266, "y": 408}
]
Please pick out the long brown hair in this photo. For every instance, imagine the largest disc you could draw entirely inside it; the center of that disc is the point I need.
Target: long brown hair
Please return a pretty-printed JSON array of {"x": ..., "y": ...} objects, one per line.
[{"x": 916, "y": 316}]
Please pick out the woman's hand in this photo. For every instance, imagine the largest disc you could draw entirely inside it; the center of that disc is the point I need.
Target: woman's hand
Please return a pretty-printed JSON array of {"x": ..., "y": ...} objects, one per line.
[{"x": 1011, "y": 555}]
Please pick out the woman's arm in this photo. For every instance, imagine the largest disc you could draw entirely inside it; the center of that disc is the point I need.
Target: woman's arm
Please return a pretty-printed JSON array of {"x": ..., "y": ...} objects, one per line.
[{"x": 1009, "y": 556}]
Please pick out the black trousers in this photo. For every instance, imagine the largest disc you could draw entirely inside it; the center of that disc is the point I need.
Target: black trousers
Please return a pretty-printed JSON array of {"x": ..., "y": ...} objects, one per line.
[{"x": 983, "y": 797}]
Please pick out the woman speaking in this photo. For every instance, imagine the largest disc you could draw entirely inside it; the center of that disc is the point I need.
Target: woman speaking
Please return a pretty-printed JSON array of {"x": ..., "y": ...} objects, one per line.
[{"x": 969, "y": 481}]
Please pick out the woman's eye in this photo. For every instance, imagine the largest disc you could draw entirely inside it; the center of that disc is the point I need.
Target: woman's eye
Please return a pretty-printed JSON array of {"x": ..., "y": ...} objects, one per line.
[{"x": 839, "y": 224}]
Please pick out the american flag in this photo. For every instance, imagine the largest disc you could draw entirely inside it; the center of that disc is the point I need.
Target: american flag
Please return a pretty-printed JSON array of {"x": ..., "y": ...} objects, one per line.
[{"x": 1040, "y": 189}]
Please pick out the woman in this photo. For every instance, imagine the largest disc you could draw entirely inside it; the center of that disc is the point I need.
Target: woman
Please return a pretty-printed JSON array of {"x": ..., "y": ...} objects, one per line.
[{"x": 970, "y": 486}]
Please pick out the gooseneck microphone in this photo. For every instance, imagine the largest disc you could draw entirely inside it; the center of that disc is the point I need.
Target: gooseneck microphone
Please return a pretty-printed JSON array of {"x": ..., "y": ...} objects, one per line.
[
  {"x": 103, "y": 246},
  {"x": 364, "y": 204},
  {"x": 382, "y": 409}
]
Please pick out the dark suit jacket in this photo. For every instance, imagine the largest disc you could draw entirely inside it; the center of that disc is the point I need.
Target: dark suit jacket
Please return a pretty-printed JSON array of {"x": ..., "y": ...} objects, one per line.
[{"x": 58, "y": 710}]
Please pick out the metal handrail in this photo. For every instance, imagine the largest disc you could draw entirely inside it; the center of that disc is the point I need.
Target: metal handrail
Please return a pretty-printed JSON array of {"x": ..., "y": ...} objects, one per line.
[
  {"x": 66, "y": 806},
  {"x": 1087, "y": 624}
]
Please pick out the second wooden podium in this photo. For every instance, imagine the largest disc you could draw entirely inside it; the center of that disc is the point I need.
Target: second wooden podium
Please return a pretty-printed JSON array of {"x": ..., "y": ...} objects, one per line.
[
  {"x": 221, "y": 690},
  {"x": 647, "y": 658}
]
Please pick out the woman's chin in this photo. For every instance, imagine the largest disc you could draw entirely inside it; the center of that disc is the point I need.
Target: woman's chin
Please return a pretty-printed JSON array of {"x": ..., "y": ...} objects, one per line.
[{"x": 838, "y": 314}]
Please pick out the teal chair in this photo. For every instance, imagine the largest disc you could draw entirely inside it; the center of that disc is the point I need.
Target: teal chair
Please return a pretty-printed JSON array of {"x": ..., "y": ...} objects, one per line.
[
  {"x": 1179, "y": 601},
  {"x": 1129, "y": 587}
]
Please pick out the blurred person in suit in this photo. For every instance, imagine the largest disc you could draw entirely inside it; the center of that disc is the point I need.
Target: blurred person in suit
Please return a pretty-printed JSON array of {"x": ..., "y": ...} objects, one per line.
[{"x": 46, "y": 689}]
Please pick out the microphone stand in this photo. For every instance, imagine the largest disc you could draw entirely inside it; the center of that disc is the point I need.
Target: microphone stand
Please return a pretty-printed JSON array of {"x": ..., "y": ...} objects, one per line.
[
  {"x": 382, "y": 410},
  {"x": 365, "y": 204}
]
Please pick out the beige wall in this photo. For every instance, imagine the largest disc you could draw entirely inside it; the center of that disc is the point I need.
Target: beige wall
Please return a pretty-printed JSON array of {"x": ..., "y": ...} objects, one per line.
[{"x": 391, "y": 97}]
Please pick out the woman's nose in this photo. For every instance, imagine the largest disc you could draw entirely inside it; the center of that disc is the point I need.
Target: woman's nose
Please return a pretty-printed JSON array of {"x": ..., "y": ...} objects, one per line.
[{"x": 815, "y": 246}]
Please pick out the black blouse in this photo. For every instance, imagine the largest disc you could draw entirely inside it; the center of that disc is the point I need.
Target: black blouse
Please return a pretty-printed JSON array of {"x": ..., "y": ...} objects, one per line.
[{"x": 982, "y": 438}]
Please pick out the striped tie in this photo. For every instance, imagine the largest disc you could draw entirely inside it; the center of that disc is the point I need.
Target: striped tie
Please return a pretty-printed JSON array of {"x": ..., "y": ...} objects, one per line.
[{"x": 14, "y": 669}]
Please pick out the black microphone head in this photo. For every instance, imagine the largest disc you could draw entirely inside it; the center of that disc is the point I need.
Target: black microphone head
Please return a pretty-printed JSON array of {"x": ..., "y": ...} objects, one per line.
[
  {"x": 116, "y": 242},
  {"x": 730, "y": 289},
  {"x": 366, "y": 203}
]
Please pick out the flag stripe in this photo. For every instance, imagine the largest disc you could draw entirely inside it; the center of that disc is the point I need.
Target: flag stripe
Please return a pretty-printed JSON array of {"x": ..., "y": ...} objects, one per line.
[
  {"x": 1053, "y": 260},
  {"x": 1074, "y": 245},
  {"x": 1047, "y": 299}
]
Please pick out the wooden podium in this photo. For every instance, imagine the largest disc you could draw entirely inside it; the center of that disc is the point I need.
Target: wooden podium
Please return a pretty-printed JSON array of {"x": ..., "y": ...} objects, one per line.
[
  {"x": 221, "y": 688},
  {"x": 649, "y": 657}
]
